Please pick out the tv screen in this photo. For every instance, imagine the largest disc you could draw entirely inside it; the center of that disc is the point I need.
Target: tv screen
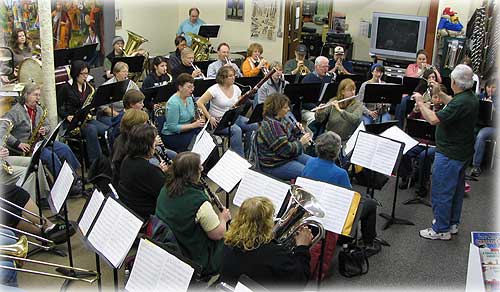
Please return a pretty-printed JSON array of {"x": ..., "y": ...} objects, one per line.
[{"x": 397, "y": 34}]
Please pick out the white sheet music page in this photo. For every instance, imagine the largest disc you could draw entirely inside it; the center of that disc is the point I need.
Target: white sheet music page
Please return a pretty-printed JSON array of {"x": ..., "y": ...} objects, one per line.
[
  {"x": 349, "y": 145},
  {"x": 204, "y": 146},
  {"x": 91, "y": 211},
  {"x": 229, "y": 170},
  {"x": 395, "y": 133},
  {"x": 202, "y": 133},
  {"x": 376, "y": 153},
  {"x": 157, "y": 270},
  {"x": 242, "y": 288},
  {"x": 61, "y": 187},
  {"x": 114, "y": 232},
  {"x": 334, "y": 200},
  {"x": 256, "y": 184}
]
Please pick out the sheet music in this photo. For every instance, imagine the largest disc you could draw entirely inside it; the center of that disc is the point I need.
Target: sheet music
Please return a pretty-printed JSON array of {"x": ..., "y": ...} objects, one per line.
[
  {"x": 157, "y": 270},
  {"x": 61, "y": 187},
  {"x": 376, "y": 153},
  {"x": 255, "y": 184},
  {"x": 241, "y": 288},
  {"x": 91, "y": 211},
  {"x": 334, "y": 200},
  {"x": 229, "y": 170},
  {"x": 204, "y": 146},
  {"x": 395, "y": 133},
  {"x": 349, "y": 146},
  {"x": 202, "y": 133},
  {"x": 114, "y": 232}
]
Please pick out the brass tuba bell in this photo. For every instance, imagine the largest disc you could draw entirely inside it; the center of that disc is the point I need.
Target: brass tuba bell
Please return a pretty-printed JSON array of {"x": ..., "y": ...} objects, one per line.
[
  {"x": 200, "y": 46},
  {"x": 302, "y": 206},
  {"x": 134, "y": 41}
]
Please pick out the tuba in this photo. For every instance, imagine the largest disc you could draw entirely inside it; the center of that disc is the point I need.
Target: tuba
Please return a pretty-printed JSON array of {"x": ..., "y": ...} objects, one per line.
[
  {"x": 302, "y": 206},
  {"x": 134, "y": 41},
  {"x": 5, "y": 165},
  {"x": 200, "y": 47}
]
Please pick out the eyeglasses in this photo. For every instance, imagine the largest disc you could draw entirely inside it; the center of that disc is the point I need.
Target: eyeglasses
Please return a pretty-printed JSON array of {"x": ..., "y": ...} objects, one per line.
[{"x": 84, "y": 73}]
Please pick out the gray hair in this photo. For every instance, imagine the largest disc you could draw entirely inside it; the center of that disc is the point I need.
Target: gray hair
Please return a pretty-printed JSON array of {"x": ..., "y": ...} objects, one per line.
[
  {"x": 328, "y": 146},
  {"x": 28, "y": 89},
  {"x": 319, "y": 59},
  {"x": 462, "y": 75}
]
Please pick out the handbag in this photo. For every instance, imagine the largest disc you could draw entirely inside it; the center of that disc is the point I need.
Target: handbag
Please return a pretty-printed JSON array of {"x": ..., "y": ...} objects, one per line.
[{"x": 353, "y": 261}]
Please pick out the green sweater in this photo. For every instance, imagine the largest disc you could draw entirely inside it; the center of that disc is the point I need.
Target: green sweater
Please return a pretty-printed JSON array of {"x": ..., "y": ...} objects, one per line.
[
  {"x": 343, "y": 123},
  {"x": 180, "y": 213}
]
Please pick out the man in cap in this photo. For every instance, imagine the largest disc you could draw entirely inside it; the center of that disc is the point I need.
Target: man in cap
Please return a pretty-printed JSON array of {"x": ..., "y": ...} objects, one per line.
[
  {"x": 338, "y": 65},
  {"x": 117, "y": 44},
  {"x": 293, "y": 66}
]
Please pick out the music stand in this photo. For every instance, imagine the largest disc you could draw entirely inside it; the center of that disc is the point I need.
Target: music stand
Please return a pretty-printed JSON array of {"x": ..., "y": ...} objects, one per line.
[
  {"x": 422, "y": 130},
  {"x": 381, "y": 127},
  {"x": 209, "y": 30},
  {"x": 329, "y": 90},
  {"x": 202, "y": 85},
  {"x": 248, "y": 81},
  {"x": 63, "y": 57},
  {"x": 294, "y": 78},
  {"x": 135, "y": 63},
  {"x": 302, "y": 92},
  {"x": 227, "y": 120},
  {"x": 110, "y": 93},
  {"x": 160, "y": 93},
  {"x": 486, "y": 114},
  {"x": 410, "y": 83},
  {"x": 257, "y": 113}
]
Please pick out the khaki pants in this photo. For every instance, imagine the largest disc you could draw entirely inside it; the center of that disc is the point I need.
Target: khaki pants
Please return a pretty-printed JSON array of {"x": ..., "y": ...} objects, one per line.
[{"x": 19, "y": 164}]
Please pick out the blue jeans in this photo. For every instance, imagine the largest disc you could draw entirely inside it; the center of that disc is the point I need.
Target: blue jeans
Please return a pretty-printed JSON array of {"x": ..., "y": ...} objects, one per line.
[
  {"x": 483, "y": 135},
  {"x": 448, "y": 189},
  {"x": 368, "y": 120},
  {"x": 62, "y": 153},
  {"x": 237, "y": 130},
  {"x": 401, "y": 113},
  {"x": 7, "y": 277},
  {"x": 290, "y": 170},
  {"x": 179, "y": 142},
  {"x": 92, "y": 130}
]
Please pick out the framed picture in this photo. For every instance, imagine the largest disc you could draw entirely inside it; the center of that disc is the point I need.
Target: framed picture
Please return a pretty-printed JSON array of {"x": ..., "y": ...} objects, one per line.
[{"x": 235, "y": 10}]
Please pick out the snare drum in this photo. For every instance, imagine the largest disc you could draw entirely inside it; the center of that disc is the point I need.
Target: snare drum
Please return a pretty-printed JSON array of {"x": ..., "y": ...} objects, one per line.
[{"x": 30, "y": 70}]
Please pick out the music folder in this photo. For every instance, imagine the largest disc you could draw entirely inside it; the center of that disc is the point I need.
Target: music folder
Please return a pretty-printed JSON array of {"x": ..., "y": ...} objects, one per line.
[
  {"x": 383, "y": 93},
  {"x": 209, "y": 30},
  {"x": 328, "y": 91},
  {"x": 486, "y": 113},
  {"x": 377, "y": 153},
  {"x": 135, "y": 63},
  {"x": 339, "y": 204},
  {"x": 302, "y": 93},
  {"x": 90, "y": 210}
]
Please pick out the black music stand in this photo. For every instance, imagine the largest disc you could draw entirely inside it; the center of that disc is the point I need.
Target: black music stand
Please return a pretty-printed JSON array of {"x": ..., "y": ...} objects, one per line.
[
  {"x": 383, "y": 93},
  {"x": 110, "y": 93},
  {"x": 63, "y": 57},
  {"x": 381, "y": 127},
  {"x": 302, "y": 93},
  {"x": 257, "y": 113},
  {"x": 135, "y": 63},
  {"x": 227, "y": 120},
  {"x": 160, "y": 93},
  {"x": 422, "y": 130},
  {"x": 247, "y": 81},
  {"x": 328, "y": 91},
  {"x": 410, "y": 83},
  {"x": 486, "y": 114},
  {"x": 202, "y": 85},
  {"x": 209, "y": 30}
]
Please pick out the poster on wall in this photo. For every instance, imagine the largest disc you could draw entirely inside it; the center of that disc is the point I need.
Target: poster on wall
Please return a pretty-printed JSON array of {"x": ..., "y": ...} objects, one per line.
[
  {"x": 19, "y": 14},
  {"x": 235, "y": 10},
  {"x": 264, "y": 19}
]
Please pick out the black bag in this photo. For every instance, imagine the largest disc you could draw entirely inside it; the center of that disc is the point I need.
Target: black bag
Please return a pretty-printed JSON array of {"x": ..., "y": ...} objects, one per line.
[{"x": 353, "y": 261}]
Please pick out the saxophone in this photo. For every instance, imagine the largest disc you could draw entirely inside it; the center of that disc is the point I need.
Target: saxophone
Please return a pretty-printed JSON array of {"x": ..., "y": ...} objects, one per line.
[
  {"x": 5, "y": 165},
  {"x": 88, "y": 101},
  {"x": 36, "y": 132}
]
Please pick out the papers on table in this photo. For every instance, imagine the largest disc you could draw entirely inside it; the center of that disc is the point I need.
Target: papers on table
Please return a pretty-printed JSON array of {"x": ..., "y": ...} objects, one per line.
[
  {"x": 377, "y": 153},
  {"x": 157, "y": 270},
  {"x": 203, "y": 145},
  {"x": 349, "y": 145},
  {"x": 114, "y": 232},
  {"x": 395, "y": 133},
  {"x": 335, "y": 201},
  {"x": 229, "y": 170},
  {"x": 256, "y": 184},
  {"x": 90, "y": 211},
  {"x": 61, "y": 187}
]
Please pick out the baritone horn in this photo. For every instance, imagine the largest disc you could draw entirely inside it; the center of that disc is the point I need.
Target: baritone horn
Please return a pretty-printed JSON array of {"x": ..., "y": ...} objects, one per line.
[
  {"x": 134, "y": 41},
  {"x": 302, "y": 206},
  {"x": 18, "y": 251}
]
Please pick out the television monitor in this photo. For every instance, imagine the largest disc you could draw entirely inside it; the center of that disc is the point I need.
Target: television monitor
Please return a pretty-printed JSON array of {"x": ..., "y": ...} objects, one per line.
[{"x": 397, "y": 36}]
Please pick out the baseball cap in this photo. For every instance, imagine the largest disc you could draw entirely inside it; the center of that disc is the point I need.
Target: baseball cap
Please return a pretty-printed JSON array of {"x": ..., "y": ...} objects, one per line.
[
  {"x": 301, "y": 49},
  {"x": 449, "y": 11},
  {"x": 117, "y": 39},
  {"x": 339, "y": 50},
  {"x": 375, "y": 66}
]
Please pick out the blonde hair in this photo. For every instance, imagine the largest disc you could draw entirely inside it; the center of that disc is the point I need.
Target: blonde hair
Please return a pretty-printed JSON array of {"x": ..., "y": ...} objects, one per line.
[
  {"x": 343, "y": 85},
  {"x": 253, "y": 225}
]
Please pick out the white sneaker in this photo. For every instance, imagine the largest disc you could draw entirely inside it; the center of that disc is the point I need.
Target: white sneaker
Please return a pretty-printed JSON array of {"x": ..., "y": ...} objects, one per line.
[
  {"x": 429, "y": 233},
  {"x": 454, "y": 229}
]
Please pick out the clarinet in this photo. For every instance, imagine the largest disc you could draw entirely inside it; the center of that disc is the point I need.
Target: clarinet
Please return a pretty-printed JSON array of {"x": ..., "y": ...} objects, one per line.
[
  {"x": 211, "y": 195},
  {"x": 294, "y": 122}
]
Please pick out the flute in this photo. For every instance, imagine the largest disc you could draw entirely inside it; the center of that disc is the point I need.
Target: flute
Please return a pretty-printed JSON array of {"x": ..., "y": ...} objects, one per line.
[
  {"x": 196, "y": 68},
  {"x": 330, "y": 103}
]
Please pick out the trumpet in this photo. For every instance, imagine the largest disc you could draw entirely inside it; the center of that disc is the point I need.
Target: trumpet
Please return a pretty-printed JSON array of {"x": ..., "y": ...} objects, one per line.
[
  {"x": 228, "y": 61},
  {"x": 196, "y": 68},
  {"x": 330, "y": 103},
  {"x": 264, "y": 69},
  {"x": 302, "y": 69}
]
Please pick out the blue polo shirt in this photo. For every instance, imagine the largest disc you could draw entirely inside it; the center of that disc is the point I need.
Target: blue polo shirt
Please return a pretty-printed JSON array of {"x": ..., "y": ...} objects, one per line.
[
  {"x": 326, "y": 171},
  {"x": 186, "y": 26}
]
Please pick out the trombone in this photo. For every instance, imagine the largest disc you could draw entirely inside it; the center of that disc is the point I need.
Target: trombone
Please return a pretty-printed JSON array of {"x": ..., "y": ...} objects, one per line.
[
  {"x": 44, "y": 247},
  {"x": 42, "y": 220},
  {"x": 18, "y": 251},
  {"x": 48, "y": 241}
]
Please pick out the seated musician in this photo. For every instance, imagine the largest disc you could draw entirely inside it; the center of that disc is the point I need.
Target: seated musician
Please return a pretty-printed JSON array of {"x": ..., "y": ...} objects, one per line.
[
  {"x": 184, "y": 206},
  {"x": 323, "y": 168},
  {"x": 140, "y": 181},
  {"x": 254, "y": 63},
  {"x": 223, "y": 53},
  {"x": 107, "y": 113},
  {"x": 73, "y": 95},
  {"x": 319, "y": 75},
  {"x": 486, "y": 133},
  {"x": 186, "y": 65},
  {"x": 174, "y": 59},
  {"x": 133, "y": 99},
  {"x": 280, "y": 148},
  {"x": 157, "y": 77},
  {"x": 342, "y": 117},
  {"x": 21, "y": 46},
  {"x": 372, "y": 111},
  {"x": 339, "y": 65},
  {"x": 222, "y": 96},
  {"x": 181, "y": 126},
  {"x": 249, "y": 249},
  {"x": 117, "y": 44},
  {"x": 31, "y": 126},
  {"x": 275, "y": 84},
  {"x": 8, "y": 277},
  {"x": 417, "y": 69},
  {"x": 294, "y": 66}
]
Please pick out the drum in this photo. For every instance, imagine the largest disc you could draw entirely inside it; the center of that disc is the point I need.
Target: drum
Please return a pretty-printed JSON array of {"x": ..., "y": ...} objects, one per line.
[
  {"x": 30, "y": 70},
  {"x": 62, "y": 74}
]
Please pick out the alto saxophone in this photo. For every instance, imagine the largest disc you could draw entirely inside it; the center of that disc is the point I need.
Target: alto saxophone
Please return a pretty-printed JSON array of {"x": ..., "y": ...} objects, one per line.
[
  {"x": 5, "y": 165},
  {"x": 88, "y": 100},
  {"x": 36, "y": 132}
]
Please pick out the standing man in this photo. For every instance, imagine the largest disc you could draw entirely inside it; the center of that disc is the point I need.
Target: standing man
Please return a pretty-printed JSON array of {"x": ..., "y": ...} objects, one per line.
[
  {"x": 190, "y": 25},
  {"x": 292, "y": 66},
  {"x": 454, "y": 150},
  {"x": 223, "y": 52}
]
